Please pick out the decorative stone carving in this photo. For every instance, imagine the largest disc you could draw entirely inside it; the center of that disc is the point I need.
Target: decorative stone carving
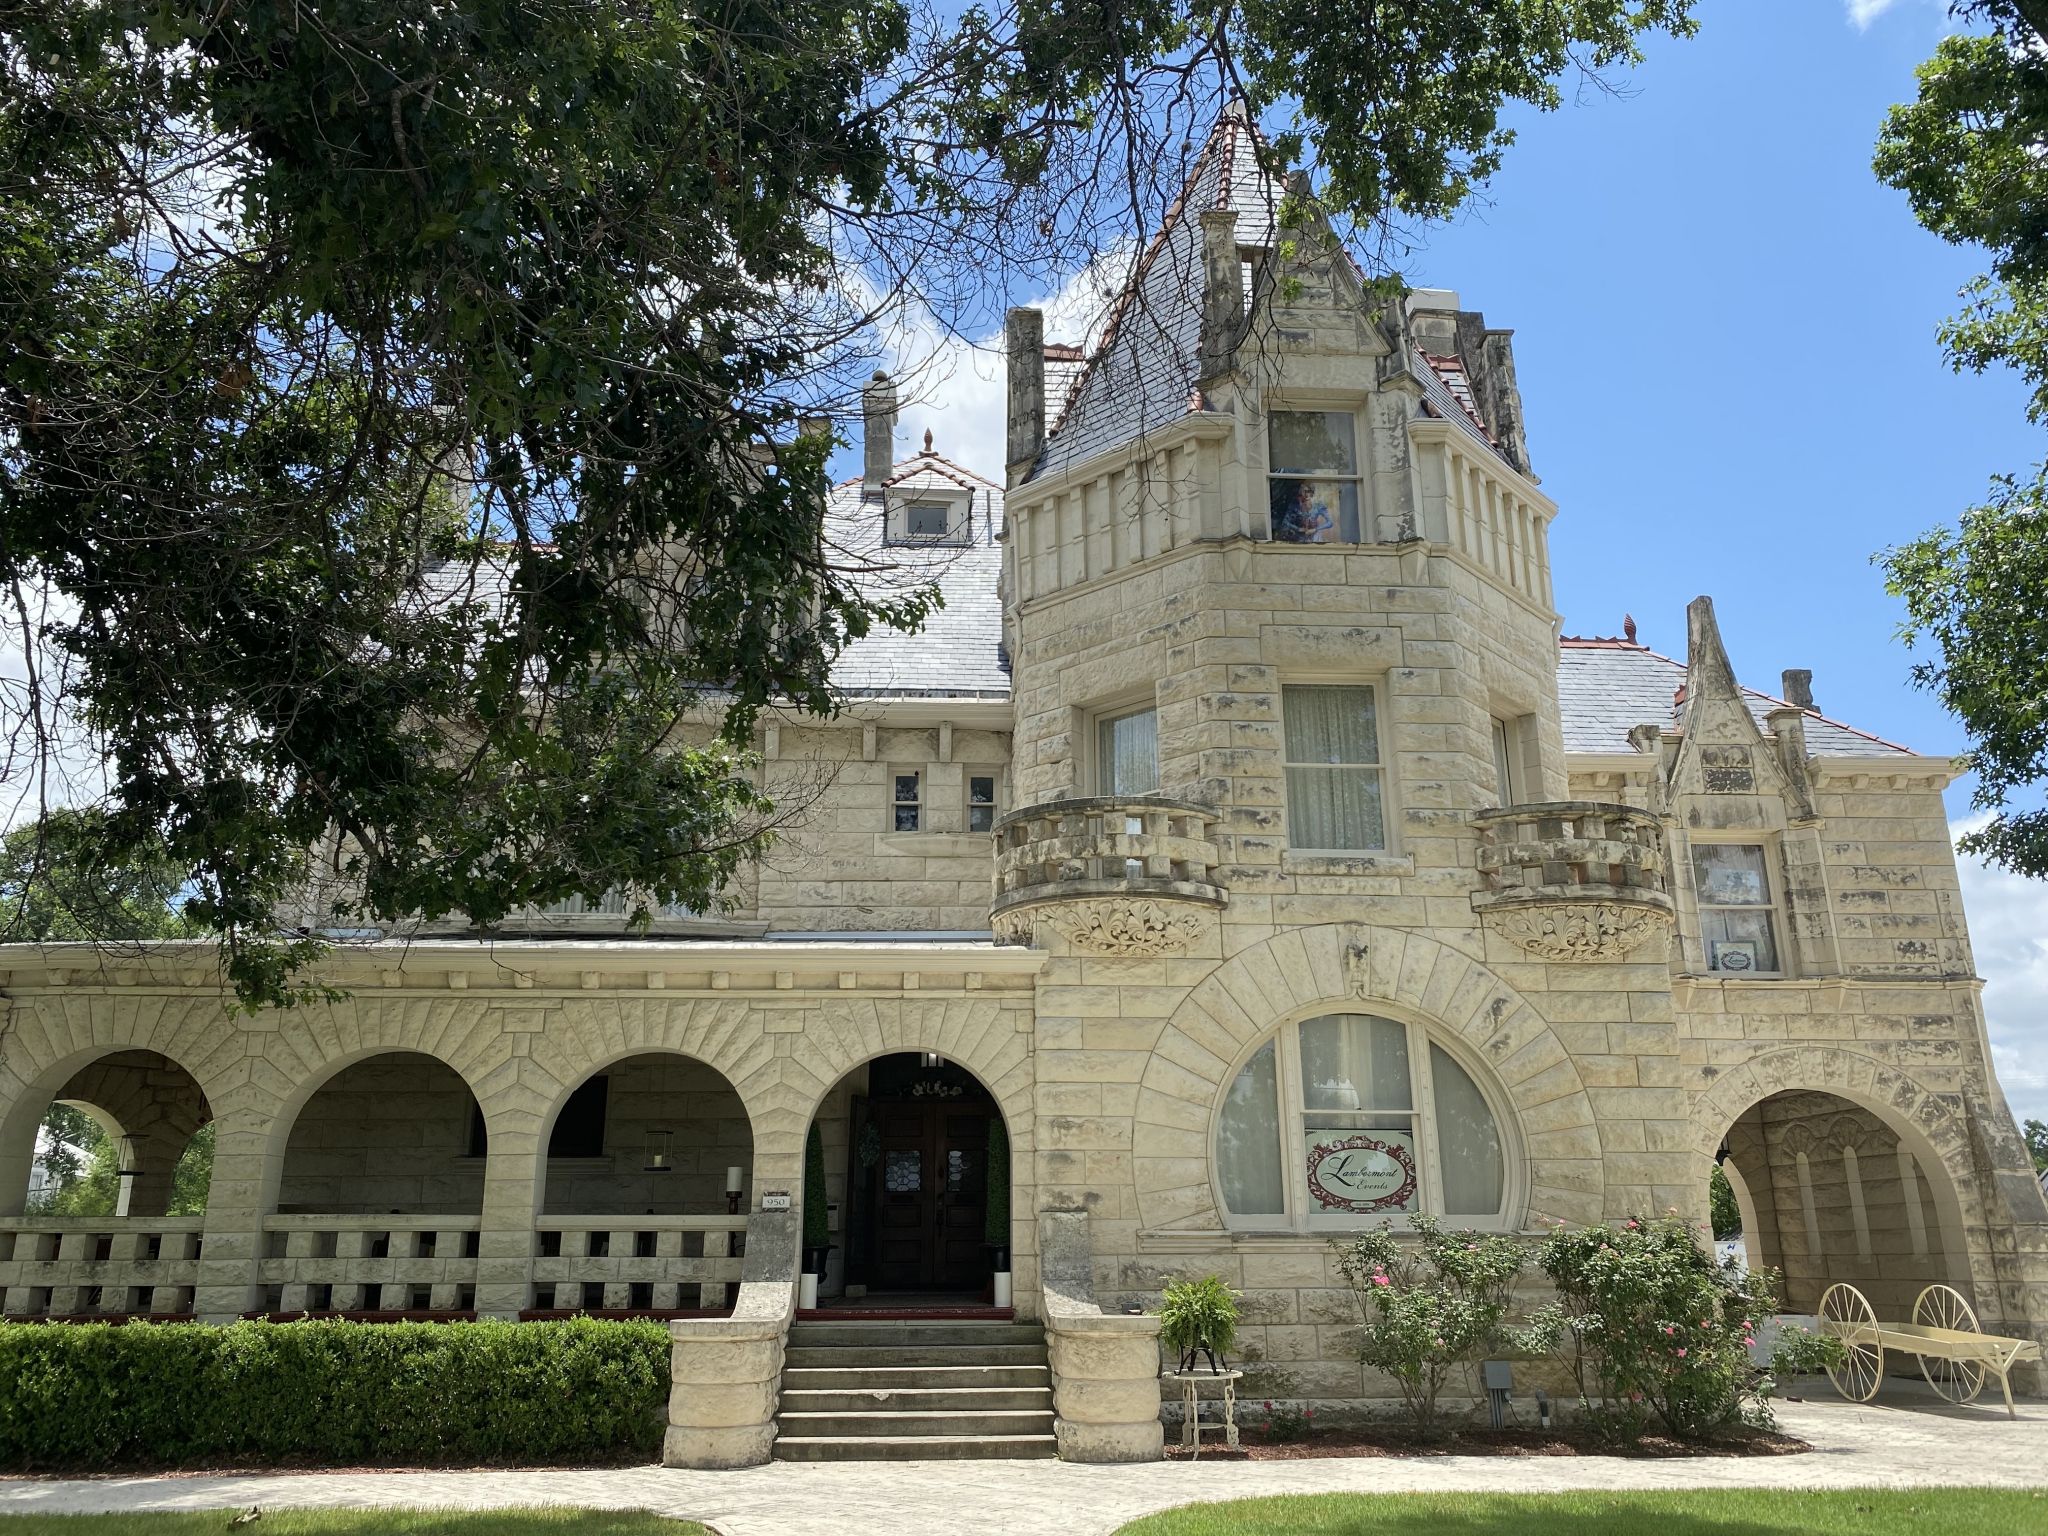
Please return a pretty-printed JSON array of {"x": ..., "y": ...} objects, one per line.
[
  {"x": 1580, "y": 930},
  {"x": 1357, "y": 963},
  {"x": 1126, "y": 927}
]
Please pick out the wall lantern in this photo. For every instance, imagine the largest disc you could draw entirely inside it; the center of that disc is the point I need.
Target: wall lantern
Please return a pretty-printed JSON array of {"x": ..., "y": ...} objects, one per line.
[
  {"x": 735, "y": 1181},
  {"x": 659, "y": 1159},
  {"x": 931, "y": 1059},
  {"x": 127, "y": 1158}
]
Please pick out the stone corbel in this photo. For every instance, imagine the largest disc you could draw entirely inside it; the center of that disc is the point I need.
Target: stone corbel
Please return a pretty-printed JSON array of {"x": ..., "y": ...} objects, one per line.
[
  {"x": 725, "y": 1373},
  {"x": 1105, "y": 1365}
]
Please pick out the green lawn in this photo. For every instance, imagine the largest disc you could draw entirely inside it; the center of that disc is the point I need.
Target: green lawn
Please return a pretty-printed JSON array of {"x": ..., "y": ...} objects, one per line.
[
  {"x": 361, "y": 1522},
  {"x": 1733, "y": 1512}
]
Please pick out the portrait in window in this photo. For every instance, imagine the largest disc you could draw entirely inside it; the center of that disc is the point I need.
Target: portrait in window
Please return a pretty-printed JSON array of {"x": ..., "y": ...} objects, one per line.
[
  {"x": 1738, "y": 910},
  {"x": 981, "y": 802},
  {"x": 906, "y": 803},
  {"x": 1351, "y": 1118},
  {"x": 1312, "y": 465},
  {"x": 1331, "y": 737}
]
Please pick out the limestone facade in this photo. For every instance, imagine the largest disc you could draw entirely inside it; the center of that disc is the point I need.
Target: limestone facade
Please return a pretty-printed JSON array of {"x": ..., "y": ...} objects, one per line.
[{"x": 1619, "y": 917}]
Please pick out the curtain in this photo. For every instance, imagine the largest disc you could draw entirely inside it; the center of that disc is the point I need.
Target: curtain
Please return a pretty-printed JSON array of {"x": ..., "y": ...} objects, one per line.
[
  {"x": 1127, "y": 754},
  {"x": 1248, "y": 1140},
  {"x": 1467, "y": 1140},
  {"x": 1333, "y": 778},
  {"x": 1354, "y": 1061}
]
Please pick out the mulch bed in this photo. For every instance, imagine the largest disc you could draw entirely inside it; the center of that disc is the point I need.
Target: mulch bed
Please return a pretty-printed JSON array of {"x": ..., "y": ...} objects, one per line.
[{"x": 1393, "y": 1441}]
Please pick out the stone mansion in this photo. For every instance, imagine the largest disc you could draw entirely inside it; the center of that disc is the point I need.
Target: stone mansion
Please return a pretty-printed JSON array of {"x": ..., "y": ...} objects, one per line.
[{"x": 1241, "y": 838}]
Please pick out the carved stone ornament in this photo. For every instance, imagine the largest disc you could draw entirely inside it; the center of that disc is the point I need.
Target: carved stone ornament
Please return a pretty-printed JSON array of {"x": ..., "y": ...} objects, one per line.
[
  {"x": 1580, "y": 930},
  {"x": 1125, "y": 927},
  {"x": 1357, "y": 963}
]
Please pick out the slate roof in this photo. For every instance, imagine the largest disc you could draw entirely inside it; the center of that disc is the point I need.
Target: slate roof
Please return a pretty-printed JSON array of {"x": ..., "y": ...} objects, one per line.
[
  {"x": 1447, "y": 393},
  {"x": 1605, "y": 686},
  {"x": 958, "y": 652}
]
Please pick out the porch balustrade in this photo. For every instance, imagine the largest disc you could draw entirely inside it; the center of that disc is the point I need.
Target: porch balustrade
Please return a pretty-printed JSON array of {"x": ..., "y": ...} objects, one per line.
[
  {"x": 637, "y": 1263},
  {"x": 101, "y": 1266},
  {"x": 1126, "y": 845},
  {"x": 356, "y": 1263}
]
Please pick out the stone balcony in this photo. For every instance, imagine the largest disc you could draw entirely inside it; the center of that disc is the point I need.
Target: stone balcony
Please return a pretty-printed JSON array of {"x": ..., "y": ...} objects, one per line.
[
  {"x": 1573, "y": 879},
  {"x": 1138, "y": 866}
]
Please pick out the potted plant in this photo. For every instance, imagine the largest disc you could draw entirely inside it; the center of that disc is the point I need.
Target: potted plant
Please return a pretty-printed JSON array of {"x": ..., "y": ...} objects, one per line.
[
  {"x": 1199, "y": 1317},
  {"x": 996, "y": 1223},
  {"x": 817, "y": 1228}
]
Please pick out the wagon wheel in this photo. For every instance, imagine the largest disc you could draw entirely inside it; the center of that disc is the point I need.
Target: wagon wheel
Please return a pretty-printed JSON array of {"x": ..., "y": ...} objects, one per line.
[
  {"x": 1846, "y": 1314},
  {"x": 1940, "y": 1306}
]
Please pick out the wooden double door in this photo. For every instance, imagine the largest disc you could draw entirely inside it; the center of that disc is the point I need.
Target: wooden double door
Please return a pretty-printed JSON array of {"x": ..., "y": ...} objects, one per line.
[{"x": 930, "y": 1195}]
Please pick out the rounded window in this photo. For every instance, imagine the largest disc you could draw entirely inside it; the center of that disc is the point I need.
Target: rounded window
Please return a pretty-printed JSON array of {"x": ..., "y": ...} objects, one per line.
[{"x": 1350, "y": 1118}]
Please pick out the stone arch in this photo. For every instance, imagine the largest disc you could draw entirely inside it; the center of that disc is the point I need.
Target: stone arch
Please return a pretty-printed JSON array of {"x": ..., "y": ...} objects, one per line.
[
  {"x": 382, "y": 1130},
  {"x": 51, "y": 1040},
  {"x": 1340, "y": 967},
  {"x": 1924, "y": 1121}
]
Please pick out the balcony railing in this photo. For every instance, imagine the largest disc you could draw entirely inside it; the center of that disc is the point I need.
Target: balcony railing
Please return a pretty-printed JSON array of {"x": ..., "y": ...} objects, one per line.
[
  {"x": 100, "y": 1266},
  {"x": 637, "y": 1263},
  {"x": 1573, "y": 879},
  {"x": 1129, "y": 845}
]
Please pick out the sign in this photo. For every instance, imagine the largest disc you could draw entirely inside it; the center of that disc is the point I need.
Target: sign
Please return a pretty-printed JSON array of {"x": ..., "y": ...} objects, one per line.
[
  {"x": 774, "y": 1199},
  {"x": 1361, "y": 1172}
]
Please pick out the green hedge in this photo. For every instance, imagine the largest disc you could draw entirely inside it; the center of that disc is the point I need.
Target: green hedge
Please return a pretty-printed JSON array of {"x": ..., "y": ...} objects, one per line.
[{"x": 82, "y": 1396}]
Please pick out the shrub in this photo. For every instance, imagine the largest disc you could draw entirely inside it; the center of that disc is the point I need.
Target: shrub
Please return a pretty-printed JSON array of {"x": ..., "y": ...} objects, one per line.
[
  {"x": 817, "y": 1222},
  {"x": 1430, "y": 1307},
  {"x": 330, "y": 1393},
  {"x": 1288, "y": 1423},
  {"x": 1802, "y": 1352},
  {"x": 1651, "y": 1326},
  {"x": 996, "y": 1218},
  {"x": 1199, "y": 1316}
]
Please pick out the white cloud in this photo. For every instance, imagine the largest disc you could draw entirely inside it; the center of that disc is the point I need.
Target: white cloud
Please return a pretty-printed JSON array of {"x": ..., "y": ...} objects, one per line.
[
  {"x": 2009, "y": 930},
  {"x": 1863, "y": 12},
  {"x": 957, "y": 389}
]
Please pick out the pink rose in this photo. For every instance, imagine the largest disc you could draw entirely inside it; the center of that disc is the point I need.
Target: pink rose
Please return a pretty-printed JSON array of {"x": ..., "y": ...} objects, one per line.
[
  {"x": 1381, "y": 1280},
  {"x": 1632, "y": 1225},
  {"x": 1681, "y": 1354}
]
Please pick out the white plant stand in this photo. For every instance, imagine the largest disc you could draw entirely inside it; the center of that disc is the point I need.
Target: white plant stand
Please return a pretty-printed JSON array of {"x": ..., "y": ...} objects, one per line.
[{"x": 1191, "y": 1425}]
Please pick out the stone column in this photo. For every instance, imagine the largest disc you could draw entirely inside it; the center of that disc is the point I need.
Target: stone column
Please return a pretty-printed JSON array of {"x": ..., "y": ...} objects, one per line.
[
  {"x": 512, "y": 1197},
  {"x": 725, "y": 1373},
  {"x": 238, "y": 1199},
  {"x": 1105, "y": 1365}
]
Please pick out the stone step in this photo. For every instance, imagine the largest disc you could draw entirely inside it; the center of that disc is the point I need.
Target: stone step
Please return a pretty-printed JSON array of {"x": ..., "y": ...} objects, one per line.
[
  {"x": 915, "y": 1447},
  {"x": 814, "y": 1378},
  {"x": 916, "y": 1333},
  {"x": 918, "y": 1399},
  {"x": 889, "y": 1424},
  {"x": 864, "y": 1355}
]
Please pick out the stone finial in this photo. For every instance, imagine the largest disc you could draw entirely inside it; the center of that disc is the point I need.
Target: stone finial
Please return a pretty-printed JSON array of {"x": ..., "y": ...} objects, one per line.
[
  {"x": 1798, "y": 689},
  {"x": 1024, "y": 344},
  {"x": 928, "y": 442},
  {"x": 1222, "y": 292},
  {"x": 878, "y": 410},
  {"x": 1628, "y": 628}
]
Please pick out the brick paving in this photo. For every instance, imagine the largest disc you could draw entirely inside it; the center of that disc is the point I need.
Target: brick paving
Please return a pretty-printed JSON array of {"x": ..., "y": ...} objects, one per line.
[{"x": 1894, "y": 1444}]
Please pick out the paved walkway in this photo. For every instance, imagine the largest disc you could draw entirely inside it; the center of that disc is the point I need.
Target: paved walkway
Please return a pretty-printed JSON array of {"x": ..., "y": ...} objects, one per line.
[{"x": 1898, "y": 1444}]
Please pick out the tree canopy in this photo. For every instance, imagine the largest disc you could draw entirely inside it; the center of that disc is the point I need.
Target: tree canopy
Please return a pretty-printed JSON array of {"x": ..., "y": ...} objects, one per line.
[
  {"x": 1971, "y": 154},
  {"x": 405, "y": 489}
]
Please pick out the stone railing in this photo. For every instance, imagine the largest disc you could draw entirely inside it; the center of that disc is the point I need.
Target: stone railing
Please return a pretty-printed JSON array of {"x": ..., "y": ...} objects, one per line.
[
  {"x": 725, "y": 1373},
  {"x": 1146, "y": 847},
  {"x": 637, "y": 1263},
  {"x": 1573, "y": 879},
  {"x": 1105, "y": 1365},
  {"x": 1473, "y": 503},
  {"x": 368, "y": 1263},
  {"x": 98, "y": 1266}
]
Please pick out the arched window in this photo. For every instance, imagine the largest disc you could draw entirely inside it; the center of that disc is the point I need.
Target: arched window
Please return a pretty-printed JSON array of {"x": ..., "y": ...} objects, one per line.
[{"x": 1349, "y": 1119}]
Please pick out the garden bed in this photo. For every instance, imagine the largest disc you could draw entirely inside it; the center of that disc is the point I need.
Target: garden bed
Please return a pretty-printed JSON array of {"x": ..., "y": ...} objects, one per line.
[{"x": 1394, "y": 1440}]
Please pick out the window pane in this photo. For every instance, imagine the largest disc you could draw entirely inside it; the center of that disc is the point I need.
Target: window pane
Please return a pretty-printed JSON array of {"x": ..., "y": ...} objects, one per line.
[
  {"x": 1334, "y": 808},
  {"x": 1331, "y": 725},
  {"x": 1248, "y": 1140},
  {"x": 1353, "y": 1061},
  {"x": 1314, "y": 511},
  {"x": 1306, "y": 442},
  {"x": 927, "y": 519},
  {"x": 1739, "y": 940},
  {"x": 1467, "y": 1140},
  {"x": 1127, "y": 754},
  {"x": 1730, "y": 874},
  {"x": 1503, "y": 777}
]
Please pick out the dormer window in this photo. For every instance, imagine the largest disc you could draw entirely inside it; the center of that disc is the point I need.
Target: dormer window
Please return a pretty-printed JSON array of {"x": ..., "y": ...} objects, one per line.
[
  {"x": 1312, "y": 467},
  {"x": 927, "y": 520}
]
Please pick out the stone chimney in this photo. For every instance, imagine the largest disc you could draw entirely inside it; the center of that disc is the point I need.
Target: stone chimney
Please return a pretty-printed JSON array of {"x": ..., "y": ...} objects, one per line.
[
  {"x": 1222, "y": 293},
  {"x": 878, "y": 408},
  {"x": 1798, "y": 689},
  {"x": 1024, "y": 343}
]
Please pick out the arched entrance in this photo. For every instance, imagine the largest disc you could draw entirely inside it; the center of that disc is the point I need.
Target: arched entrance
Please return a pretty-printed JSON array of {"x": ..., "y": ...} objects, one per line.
[
  {"x": 1828, "y": 1192},
  {"x": 126, "y": 1135},
  {"x": 910, "y": 1140}
]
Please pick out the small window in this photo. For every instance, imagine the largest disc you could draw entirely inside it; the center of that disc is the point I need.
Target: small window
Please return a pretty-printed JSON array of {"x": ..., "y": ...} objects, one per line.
[
  {"x": 1333, "y": 768},
  {"x": 927, "y": 520},
  {"x": 905, "y": 802},
  {"x": 1127, "y": 753},
  {"x": 579, "y": 1128},
  {"x": 1503, "y": 760},
  {"x": 981, "y": 803},
  {"x": 1313, "y": 465},
  {"x": 1738, "y": 912}
]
